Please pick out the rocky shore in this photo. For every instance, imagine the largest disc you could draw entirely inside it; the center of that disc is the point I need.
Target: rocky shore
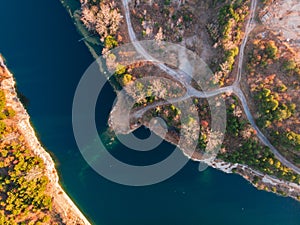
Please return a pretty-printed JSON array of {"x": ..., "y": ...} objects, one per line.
[
  {"x": 257, "y": 179},
  {"x": 62, "y": 204}
]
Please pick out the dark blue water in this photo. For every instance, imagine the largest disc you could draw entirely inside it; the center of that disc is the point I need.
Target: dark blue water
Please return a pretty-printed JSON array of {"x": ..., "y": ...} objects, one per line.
[{"x": 41, "y": 46}]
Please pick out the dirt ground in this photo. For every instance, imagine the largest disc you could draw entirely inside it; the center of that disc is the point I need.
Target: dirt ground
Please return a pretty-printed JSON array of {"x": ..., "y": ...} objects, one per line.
[
  {"x": 184, "y": 24},
  {"x": 282, "y": 17}
]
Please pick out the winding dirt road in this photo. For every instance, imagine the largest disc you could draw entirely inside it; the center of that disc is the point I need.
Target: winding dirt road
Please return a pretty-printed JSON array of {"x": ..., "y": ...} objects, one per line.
[{"x": 192, "y": 92}]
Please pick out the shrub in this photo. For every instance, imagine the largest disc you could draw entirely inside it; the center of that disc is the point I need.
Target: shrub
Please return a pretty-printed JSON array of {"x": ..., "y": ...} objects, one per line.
[
  {"x": 271, "y": 50},
  {"x": 9, "y": 112},
  {"x": 2, "y": 100},
  {"x": 289, "y": 65},
  {"x": 120, "y": 69},
  {"x": 110, "y": 42},
  {"x": 126, "y": 79}
]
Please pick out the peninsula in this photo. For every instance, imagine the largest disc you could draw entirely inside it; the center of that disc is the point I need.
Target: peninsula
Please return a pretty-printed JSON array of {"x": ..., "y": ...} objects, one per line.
[{"x": 255, "y": 67}]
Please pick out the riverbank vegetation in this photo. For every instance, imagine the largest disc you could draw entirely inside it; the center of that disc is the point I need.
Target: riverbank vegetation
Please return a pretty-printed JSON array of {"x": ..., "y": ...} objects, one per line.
[
  {"x": 260, "y": 158},
  {"x": 242, "y": 146}
]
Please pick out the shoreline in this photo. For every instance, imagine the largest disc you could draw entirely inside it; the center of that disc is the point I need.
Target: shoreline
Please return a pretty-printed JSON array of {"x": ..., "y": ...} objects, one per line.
[
  {"x": 264, "y": 183},
  {"x": 289, "y": 189},
  {"x": 62, "y": 202}
]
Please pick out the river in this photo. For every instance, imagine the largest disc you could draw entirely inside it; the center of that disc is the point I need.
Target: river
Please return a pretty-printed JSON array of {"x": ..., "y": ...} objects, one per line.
[{"x": 40, "y": 44}]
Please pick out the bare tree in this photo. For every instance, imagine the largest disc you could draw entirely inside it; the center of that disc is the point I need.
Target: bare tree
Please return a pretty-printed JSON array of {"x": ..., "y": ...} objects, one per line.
[
  {"x": 104, "y": 19},
  {"x": 159, "y": 36}
]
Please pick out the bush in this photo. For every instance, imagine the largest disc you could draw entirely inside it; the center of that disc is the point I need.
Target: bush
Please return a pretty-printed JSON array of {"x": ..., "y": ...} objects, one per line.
[
  {"x": 2, "y": 116},
  {"x": 233, "y": 124},
  {"x": 271, "y": 50},
  {"x": 230, "y": 56},
  {"x": 2, "y": 100},
  {"x": 120, "y": 69},
  {"x": 126, "y": 79},
  {"x": 110, "y": 42},
  {"x": 2, "y": 128},
  {"x": 290, "y": 140},
  {"x": 9, "y": 112},
  {"x": 289, "y": 65},
  {"x": 271, "y": 109},
  {"x": 294, "y": 139},
  {"x": 167, "y": 2}
]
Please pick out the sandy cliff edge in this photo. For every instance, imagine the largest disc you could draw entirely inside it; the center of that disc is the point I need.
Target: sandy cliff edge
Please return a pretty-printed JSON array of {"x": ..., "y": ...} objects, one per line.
[{"x": 63, "y": 204}]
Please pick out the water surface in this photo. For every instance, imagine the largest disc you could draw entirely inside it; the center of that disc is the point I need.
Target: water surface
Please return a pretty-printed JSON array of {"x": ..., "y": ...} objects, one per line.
[{"x": 41, "y": 46}]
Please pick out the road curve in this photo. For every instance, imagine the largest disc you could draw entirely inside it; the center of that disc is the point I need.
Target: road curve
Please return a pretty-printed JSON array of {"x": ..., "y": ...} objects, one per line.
[
  {"x": 261, "y": 136},
  {"x": 192, "y": 92}
]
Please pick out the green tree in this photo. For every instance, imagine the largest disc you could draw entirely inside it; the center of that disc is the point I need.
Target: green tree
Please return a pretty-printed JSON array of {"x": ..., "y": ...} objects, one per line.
[
  {"x": 289, "y": 65},
  {"x": 126, "y": 79},
  {"x": 120, "y": 69},
  {"x": 110, "y": 42},
  {"x": 271, "y": 50}
]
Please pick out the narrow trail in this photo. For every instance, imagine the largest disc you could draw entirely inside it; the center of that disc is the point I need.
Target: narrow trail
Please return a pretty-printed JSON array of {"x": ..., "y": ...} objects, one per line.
[{"x": 192, "y": 92}]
